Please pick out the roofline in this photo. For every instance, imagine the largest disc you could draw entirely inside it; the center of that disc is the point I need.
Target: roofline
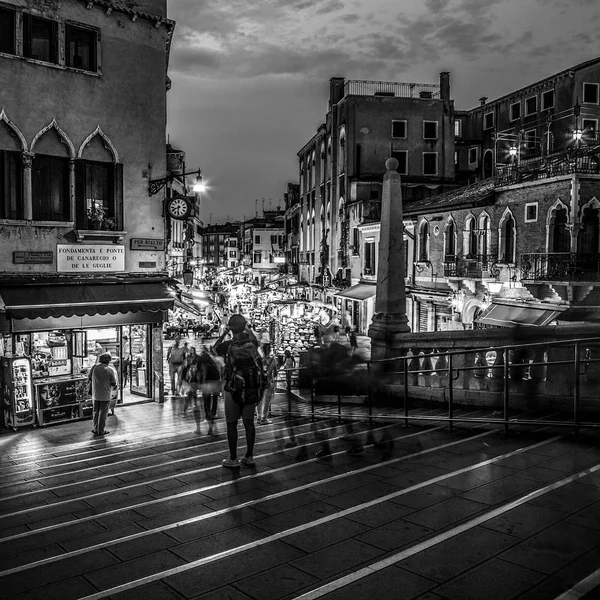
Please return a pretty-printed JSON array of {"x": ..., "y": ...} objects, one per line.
[
  {"x": 578, "y": 67},
  {"x": 111, "y": 6}
]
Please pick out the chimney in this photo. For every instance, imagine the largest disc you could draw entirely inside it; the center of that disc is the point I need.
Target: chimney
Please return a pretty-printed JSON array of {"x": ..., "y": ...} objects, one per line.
[
  {"x": 445, "y": 89},
  {"x": 482, "y": 100},
  {"x": 336, "y": 90}
]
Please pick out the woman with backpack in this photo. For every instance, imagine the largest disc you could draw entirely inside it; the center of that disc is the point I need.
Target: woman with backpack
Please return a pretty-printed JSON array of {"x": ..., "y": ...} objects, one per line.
[
  {"x": 270, "y": 369},
  {"x": 243, "y": 371}
]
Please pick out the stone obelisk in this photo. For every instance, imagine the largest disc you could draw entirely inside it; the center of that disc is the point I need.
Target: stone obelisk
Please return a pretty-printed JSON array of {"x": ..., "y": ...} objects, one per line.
[{"x": 390, "y": 318}]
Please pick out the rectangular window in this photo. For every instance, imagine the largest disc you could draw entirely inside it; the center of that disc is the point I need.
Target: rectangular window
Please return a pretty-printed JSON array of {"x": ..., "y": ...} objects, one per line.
[
  {"x": 402, "y": 157},
  {"x": 589, "y": 127},
  {"x": 430, "y": 130},
  {"x": 515, "y": 111},
  {"x": 398, "y": 129},
  {"x": 430, "y": 163},
  {"x": 355, "y": 240},
  {"x": 257, "y": 239},
  {"x": 273, "y": 240},
  {"x": 530, "y": 139},
  {"x": 488, "y": 120},
  {"x": 232, "y": 244},
  {"x": 457, "y": 128},
  {"x": 547, "y": 99},
  {"x": 81, "y": 48},
  {"x": 40, "y": 39},
  {"x": 530, "y": 106},
  {"x": 473, "y": 156},
  {"x": 11, "y": 178},
  {"x": 369, "y": 268},
  {"x": 257, "y": 257},
  {"x": 99, "y": 195},
  {"x": 50, "y": 188},
  {"x": 7, "y": 31},
  {"x": 531, "y": 212},
  {"x": 591, "y": 93}
]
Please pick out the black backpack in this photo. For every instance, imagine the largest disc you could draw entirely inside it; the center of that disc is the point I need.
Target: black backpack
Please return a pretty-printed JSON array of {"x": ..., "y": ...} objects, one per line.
[{"x": 244, "y": 372}]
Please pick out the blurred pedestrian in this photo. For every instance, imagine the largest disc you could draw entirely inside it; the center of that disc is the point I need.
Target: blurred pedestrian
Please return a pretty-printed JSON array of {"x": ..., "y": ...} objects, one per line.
[
  {"x": 270, "y": 369},
  {"x": 210, "y": 386},
  {"x": 353, "y": 342},
  {"x": 289, "y": 362},
  {"x": 103, "y": 379},
  {"x": 191, "y": 378},
  {"x": 175, "y": 357}
]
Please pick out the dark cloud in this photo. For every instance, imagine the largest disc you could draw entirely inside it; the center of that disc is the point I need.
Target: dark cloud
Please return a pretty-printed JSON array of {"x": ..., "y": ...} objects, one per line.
[{"x": 330, "y": 7}]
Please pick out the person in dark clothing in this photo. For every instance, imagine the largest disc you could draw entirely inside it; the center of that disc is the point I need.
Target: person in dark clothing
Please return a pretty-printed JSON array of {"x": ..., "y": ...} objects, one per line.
[
  {"x": 210, "y": 386},
  {"x": 240, "y": 331}
]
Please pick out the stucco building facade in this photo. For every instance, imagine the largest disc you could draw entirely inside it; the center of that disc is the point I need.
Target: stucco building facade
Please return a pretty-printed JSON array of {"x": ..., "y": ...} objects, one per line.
[{"x": 82, "y": 133}]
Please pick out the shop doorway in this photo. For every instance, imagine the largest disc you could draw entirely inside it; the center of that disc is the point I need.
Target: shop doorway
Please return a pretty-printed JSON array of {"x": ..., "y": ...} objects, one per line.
[{"x": 135, "y": 351}]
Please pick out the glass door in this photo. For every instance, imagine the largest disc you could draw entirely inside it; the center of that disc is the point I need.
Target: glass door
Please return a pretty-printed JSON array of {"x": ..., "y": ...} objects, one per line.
[{"x": 136, "y": 340}]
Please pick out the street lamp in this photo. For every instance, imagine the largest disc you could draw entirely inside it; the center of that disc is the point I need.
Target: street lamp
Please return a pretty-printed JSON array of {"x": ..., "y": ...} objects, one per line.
[{"x": 155, "y": 185}]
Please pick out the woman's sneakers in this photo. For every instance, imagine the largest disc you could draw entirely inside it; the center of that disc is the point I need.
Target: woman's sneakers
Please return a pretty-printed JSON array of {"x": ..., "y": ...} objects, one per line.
[
  {"x": 231, "y": 463},
  {"x": 248, "y": 461}
]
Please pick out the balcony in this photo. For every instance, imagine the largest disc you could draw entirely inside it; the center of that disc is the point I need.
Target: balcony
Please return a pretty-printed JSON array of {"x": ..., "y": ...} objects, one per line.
[
  {"x": 560, "y": 266},
  {"x": 583, "y": 161},
  {"x": 477, "y": 266}
]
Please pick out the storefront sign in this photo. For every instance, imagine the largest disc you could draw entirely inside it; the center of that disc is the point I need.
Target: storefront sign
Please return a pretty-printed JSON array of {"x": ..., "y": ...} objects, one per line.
[
  {"x": 147, "y": 265},
  {"x": 90, "y": 258},
  {"x": 147, "y": 244},
  {"x": 33, "y": 258}
]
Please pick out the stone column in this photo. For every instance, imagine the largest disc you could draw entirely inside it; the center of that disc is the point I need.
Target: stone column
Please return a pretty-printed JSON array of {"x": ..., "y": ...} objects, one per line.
[
  {"x": 27, "y": 194},
  {"x": 390, "y": 318}
]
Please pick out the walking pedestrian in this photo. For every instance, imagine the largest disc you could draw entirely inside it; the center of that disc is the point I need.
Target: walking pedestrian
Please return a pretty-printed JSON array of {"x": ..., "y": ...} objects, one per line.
[
  {"x": 175, "y": 356},
  {"x": 191, "y": 377},
  {"x": 239, "y": 404},
  {"x": 103, "y": 379},
  {"x": 289, "y": 362},
  {"x": 210, "y": 386},
  {"x": 353, "y": 342},
  {"x": 270, "y": 369}
]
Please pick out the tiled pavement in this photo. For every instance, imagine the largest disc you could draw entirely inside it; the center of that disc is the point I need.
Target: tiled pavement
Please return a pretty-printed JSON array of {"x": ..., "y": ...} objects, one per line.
[{"x": 149, "y": 513}]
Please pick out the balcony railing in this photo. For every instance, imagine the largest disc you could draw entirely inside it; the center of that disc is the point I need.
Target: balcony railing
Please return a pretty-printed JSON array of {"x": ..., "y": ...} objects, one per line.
[
  {"x": 469, "y": 267},
  {"x": 392, "y": 89},
  {"x": 584, "y": 161},
  {"x": 560, "y": 266}
]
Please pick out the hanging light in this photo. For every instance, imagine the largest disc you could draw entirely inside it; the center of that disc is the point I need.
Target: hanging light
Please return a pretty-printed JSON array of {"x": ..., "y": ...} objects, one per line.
[
  {"x": 512, "y": 150},
  {"x": 199, "y": 186}
]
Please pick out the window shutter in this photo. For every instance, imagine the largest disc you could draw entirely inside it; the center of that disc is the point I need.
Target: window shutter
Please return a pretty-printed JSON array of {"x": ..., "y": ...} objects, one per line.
[
  {"x": 80, "y": 185},
  {"x": 118, "y": 195}
]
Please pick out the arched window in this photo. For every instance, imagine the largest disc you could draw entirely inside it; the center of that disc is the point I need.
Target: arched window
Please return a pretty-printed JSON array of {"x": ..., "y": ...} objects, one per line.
[
  {"x": 424, "y": 241},
  {"x": 561, "y": 240},
  {"x": 589, "y": 236},
  {"x": 470, "y": 238},
  {"x": 508, "y": 246},
  {"x": 450, "y": 241},
  {"x": 484, "y": 236}
]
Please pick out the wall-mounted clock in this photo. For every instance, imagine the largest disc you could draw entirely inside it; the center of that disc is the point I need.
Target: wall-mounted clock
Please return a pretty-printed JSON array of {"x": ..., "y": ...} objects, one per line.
[{"x": 178, "y": 208}]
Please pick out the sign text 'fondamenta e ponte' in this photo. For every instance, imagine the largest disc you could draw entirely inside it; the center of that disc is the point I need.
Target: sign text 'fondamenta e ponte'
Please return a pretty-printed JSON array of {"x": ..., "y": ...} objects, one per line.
[{"x": 90, "y": 258}]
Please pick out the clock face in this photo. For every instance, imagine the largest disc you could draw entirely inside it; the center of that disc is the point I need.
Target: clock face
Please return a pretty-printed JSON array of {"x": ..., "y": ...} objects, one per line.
[{"x": 178, "y": 208}]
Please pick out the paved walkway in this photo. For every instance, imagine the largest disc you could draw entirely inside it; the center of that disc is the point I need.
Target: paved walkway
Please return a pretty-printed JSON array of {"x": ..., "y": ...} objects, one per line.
[{"x": 422, "y": 513}]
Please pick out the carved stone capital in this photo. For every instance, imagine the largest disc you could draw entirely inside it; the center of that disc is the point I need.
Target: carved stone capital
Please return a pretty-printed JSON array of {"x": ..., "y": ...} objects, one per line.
[{"x": 27, "y": 158}]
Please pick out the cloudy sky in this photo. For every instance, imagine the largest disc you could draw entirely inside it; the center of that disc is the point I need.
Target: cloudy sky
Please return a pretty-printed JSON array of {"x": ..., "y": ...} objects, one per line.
[{"x": 250, "y": 77}]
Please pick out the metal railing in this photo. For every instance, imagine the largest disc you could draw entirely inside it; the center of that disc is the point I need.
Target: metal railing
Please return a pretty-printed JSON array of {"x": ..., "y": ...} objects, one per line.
[
  {"x": 394, "y": 89},
  {"x": 502, "y": 380},
  {"x": 560, "y": 266},
  {"x": 474, "y": 267}
]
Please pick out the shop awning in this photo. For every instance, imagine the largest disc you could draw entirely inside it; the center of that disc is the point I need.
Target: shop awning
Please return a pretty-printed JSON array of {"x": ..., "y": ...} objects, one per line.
[
  {"x": 507, "y": 315},
  {"x": 67, "y": 300},
  {"x": 360, "y": 291},
  {"x": 186, "y": 306}
]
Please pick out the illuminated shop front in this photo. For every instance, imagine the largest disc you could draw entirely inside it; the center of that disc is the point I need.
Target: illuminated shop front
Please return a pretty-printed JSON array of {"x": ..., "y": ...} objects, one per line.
[{"x": 61, "y": 329}]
